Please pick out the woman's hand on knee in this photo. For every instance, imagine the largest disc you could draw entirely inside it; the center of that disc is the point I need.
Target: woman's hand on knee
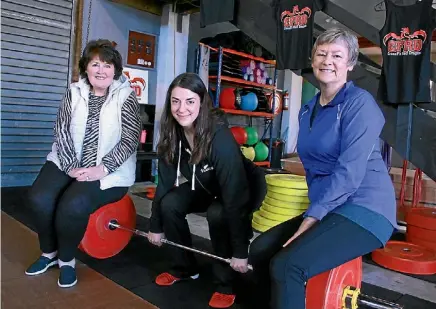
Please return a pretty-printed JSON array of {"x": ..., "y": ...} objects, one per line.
[
  {"x": 91, "y": 173},
  {"x": 240, "y": 265},
  {"x": 307, "y": 223},
  {"x": 75, "y": 172},
  {"x": 155, "y": 238}
]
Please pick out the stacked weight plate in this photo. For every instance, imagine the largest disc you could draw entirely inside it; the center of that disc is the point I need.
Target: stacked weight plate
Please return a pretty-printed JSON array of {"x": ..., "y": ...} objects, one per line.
[
  {"x": 421, "y": 227},
  {"x": 286, "y": 198}
]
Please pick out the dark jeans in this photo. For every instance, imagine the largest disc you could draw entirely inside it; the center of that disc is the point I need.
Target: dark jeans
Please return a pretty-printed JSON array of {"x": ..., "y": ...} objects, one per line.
[
  {"x": 181, "y": 201},
  {"x": 61, "y": 207},
  {"x": 283, "y": 272}
]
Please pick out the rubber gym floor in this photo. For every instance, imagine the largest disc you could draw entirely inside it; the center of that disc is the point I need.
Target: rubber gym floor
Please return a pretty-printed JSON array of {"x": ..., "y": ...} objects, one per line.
[{"x": 127, "y": 280}]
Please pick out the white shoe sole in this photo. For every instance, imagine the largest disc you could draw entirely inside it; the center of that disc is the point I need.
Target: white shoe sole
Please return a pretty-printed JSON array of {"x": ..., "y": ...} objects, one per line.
[
  {"x": 67, "y": 285},
  {"x": 42, "y": 270}
]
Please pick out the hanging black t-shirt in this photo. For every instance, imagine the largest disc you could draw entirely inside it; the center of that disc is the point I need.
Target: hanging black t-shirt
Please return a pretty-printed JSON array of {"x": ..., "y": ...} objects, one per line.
[
  {"x": 294, "y": 22},
  {"x": 216, "y": 11},
  {"x": 405, "y": 42}
]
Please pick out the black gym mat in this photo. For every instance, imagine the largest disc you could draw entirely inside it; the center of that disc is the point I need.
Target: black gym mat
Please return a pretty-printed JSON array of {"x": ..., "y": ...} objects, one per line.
[{"x": 139, "y": 263}]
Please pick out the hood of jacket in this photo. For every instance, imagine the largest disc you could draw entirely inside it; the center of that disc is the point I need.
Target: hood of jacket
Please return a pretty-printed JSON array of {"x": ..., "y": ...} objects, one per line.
[{"x": 220, "y": 124}]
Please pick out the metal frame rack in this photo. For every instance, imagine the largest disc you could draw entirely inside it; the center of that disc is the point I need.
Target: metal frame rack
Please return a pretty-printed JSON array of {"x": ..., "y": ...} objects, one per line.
[{"x": 219, "y": 79}]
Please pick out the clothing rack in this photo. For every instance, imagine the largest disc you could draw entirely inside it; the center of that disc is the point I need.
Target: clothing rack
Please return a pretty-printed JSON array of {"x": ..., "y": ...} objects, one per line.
[{"x": 381, "y": 5}]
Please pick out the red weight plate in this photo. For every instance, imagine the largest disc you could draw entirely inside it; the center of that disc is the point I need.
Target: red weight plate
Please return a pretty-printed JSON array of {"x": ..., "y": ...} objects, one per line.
[
  {"x": 406, "y": 257},
  {"x": 421, "y": 233},
  {"x": 424, "y": 217},
  {"x": 99, "y": 241},
  {"x": 325, "y": 290},
  {"x": 420, "y": 242}
]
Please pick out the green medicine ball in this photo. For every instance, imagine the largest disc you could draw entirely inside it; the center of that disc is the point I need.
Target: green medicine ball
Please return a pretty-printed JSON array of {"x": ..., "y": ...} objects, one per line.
[
  {"x": 252, "y": 136},
  {"x": 261, "y": 152}
]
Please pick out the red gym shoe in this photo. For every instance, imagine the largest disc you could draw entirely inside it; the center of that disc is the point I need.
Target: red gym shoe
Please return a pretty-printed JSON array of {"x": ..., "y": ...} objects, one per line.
[
  {"x": 165, "y": 279},
  {"x": 219, "y": 300}
]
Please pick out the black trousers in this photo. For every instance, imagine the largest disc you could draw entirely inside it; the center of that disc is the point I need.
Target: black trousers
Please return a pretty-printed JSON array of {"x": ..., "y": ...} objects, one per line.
[
  {"x": 61, "y": 207},
  {"x": 281, "y": 273},
  {"x": 181, "y": 201}
]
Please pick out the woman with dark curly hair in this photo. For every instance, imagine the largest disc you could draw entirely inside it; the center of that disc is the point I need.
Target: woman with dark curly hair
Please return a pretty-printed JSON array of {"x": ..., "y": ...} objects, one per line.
[
  {"x": 93, "y": 158},
  {"x": 202, "y": 169}
]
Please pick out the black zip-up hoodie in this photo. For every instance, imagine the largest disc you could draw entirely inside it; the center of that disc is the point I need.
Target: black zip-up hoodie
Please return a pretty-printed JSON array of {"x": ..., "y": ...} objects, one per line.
[{"x": 224, "y": 174}]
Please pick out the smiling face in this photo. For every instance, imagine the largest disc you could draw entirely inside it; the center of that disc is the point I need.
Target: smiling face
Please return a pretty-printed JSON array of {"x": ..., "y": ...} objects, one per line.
[
  {"x": 100, "y": 75},
  {"x": 185, "y": 106},
  {"x": 330, "y": 63}
]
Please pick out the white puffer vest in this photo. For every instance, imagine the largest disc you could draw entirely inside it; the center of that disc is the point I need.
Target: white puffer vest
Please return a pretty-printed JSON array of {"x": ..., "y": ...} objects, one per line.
[{"x": 109, "y": 131}]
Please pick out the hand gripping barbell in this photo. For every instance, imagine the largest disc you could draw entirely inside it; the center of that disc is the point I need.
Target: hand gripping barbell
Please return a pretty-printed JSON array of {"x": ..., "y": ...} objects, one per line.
[
  {"x": 113, "y": 224},
  {"x": 111, "y": 227}
]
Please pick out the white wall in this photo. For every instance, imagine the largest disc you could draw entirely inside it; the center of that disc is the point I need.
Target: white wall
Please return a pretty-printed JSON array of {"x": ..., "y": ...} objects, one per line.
[{"x": 113, "y": 21}]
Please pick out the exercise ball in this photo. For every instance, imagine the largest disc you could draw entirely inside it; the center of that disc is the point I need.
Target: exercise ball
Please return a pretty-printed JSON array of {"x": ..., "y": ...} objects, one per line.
[
  {"x": 249, "y": 102},
  {"x": 248, "y": 152},
  {"x": 227, "y": 98},
  {"x": 261, "y": 151},
  {"x": 252, "y": 136},
  {"x": 239, "y": 134}
]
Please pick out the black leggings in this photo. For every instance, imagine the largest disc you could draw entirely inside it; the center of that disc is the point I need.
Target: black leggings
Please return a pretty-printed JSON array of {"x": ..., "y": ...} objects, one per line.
[
  {"x": 179, "y": 202},
  {"x": 61, "y": 207},
  {"x": 284, "y": 271}
]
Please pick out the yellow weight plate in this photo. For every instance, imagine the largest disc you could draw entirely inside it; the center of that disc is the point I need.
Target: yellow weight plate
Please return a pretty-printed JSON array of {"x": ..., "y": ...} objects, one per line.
[
  {"x": 273, "y": 216},
  {"x": 286, "y": 181},
  {"x": 288, "y": 198},
  {"x": 286, "y": 205},
  {"x": 264, "y": 221},
  {"x": 259, "y": 227},
  {"x": 287, "y": 191},
  {"x": 282, "y": 211}
]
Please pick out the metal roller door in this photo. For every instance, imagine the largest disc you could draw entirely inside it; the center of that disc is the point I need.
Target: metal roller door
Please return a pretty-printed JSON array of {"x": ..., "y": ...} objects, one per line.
[{"x": 36, "y": 37}]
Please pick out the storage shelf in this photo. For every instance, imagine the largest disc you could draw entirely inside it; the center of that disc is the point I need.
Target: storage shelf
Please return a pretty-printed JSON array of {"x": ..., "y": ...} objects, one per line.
[
  {"x": 242, "y": 82},
  {"x": 247, "y": 113},
  {"x": 241, "y": 54},
  {"x": 264, "y": 163},
  {"x": 230, "y": 62}
]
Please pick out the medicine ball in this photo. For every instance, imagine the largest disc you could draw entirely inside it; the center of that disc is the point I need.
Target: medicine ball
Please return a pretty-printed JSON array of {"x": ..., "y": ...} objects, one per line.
[
  {"x": 248, "y": 152},
  {"x": 249, "y": 102},
  {"x": 227, "y": 98},
  {"x": 239, "y": 134},
  {"x": 252, "y": 136},
  {"x": 261, "y": 151}
]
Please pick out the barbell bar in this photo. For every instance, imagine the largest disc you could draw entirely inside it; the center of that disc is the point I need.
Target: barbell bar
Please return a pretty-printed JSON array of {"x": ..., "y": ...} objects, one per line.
[
  {"x": 113, "y": 224},
  {"x": 111, "y": 227},
  {"x": 351, "y": 297}
]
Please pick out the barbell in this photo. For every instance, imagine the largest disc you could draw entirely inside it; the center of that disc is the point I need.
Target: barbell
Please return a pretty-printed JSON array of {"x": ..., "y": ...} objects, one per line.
[{"x": 112, "y": 226}]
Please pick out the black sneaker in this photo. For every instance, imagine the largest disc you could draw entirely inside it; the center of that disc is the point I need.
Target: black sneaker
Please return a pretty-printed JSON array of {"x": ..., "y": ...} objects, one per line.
[
  {"x": 41, "y": 265},
  {"x": 67, "y": 277}
]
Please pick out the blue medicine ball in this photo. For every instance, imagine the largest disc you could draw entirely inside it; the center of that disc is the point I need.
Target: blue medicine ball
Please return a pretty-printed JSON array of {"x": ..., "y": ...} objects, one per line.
[{"x": 249, "y": 102}]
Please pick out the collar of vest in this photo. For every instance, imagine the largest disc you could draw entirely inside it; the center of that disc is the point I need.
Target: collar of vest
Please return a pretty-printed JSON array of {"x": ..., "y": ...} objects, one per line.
[{"x": 117, "y": 84}]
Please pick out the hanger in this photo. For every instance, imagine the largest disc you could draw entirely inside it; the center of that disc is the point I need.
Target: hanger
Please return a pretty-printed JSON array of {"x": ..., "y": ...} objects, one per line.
[{"x": 381, "y": 5}]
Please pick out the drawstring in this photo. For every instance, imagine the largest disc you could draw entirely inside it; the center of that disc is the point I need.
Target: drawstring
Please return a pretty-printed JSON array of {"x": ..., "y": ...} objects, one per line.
[
  {"x": 178, "y": 164},
  {"x": 178, "y": 168},
  {"x": 338, "y": 115},
  {"x": 193, "y": 179}
]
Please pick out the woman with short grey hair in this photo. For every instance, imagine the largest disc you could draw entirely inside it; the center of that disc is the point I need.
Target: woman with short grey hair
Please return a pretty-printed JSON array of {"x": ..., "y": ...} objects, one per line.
[{"x": 352, "y": 208}]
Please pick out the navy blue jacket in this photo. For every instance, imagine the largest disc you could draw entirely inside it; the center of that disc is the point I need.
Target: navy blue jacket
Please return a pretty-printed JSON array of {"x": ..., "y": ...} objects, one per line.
[{"x": 340, "y": 152}]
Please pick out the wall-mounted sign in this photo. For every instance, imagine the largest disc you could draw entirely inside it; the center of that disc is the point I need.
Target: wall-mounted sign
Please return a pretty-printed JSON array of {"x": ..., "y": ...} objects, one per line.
[
  {"x": 141, "y": 49},
  {"x": 139, "y": 83}
]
